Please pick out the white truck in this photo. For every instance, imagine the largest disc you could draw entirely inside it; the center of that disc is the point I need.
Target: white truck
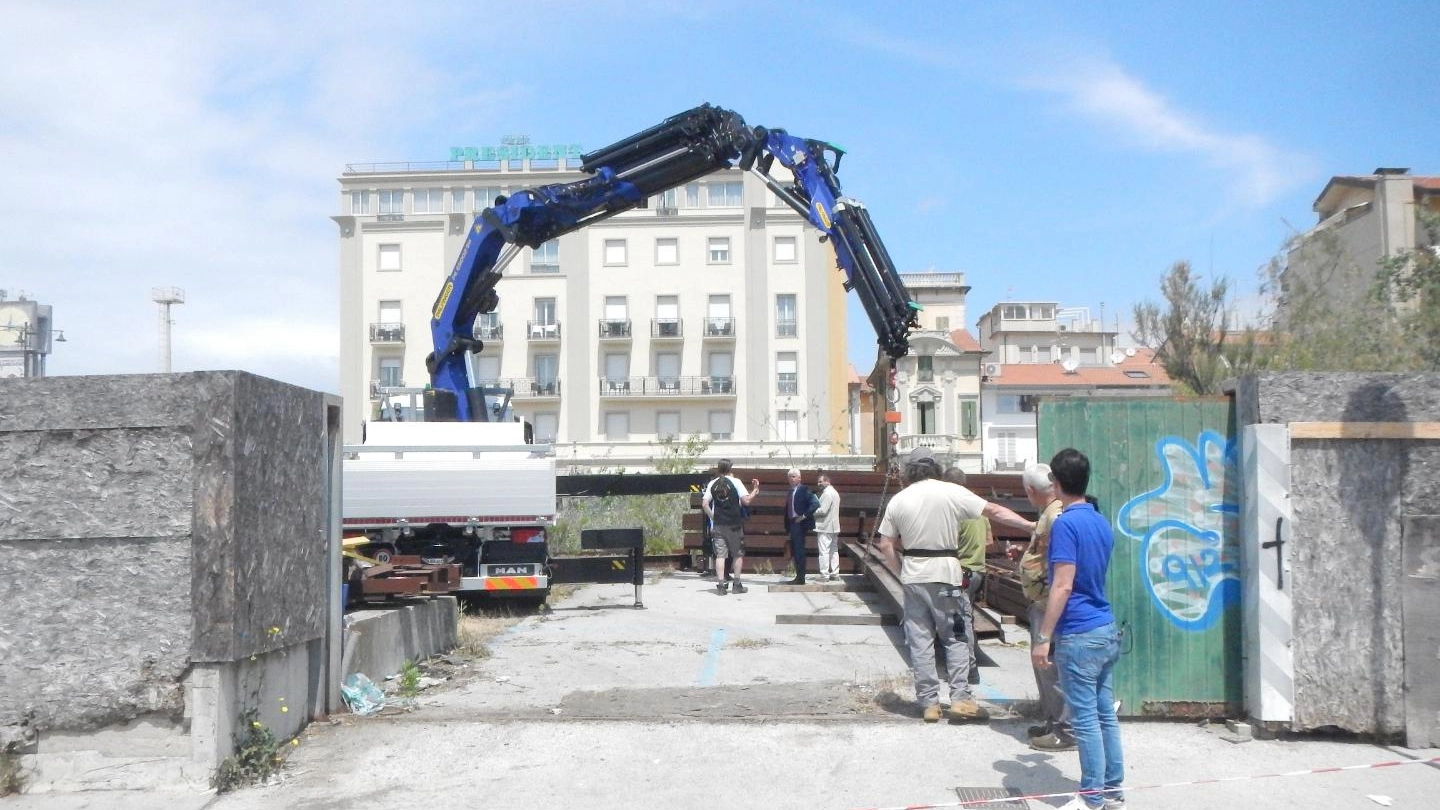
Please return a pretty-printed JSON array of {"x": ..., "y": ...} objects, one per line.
[{"x": 471, "y": 493}]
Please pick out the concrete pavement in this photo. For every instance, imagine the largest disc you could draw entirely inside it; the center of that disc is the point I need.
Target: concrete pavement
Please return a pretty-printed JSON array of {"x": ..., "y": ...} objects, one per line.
[{"x": 703, "y": 700}]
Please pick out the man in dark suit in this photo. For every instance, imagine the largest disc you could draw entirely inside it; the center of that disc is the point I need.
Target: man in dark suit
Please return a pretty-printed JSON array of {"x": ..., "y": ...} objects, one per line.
[{"x": 800, "y": 506}]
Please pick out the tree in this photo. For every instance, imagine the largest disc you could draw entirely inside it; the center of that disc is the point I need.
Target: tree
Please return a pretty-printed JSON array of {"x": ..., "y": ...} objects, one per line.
[
  {"x": 1408, "y": 287},
  {"x": 1191, "y": 336}
]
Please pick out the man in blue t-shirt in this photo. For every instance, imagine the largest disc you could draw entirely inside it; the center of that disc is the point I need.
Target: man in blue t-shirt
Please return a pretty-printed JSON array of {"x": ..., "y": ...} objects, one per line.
[{"x": 1087, "y": 645}]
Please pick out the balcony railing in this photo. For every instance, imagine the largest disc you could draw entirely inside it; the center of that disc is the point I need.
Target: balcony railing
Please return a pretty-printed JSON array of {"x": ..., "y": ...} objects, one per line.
[
  {"x": 386, "y": 332},
  {"x": 665, "y": 328},
  {"x": 938, "y": 443},
  {"x": 490, "y": 332},
  {"x": 530, "y": 387},
  {"x": 787, "y": 384},
  {"x": 720, "y": 327},
  {"x": 377, "y": 386},
  {"x": 666, "y": 386},
  {"x": 613, "y": 329},
  {"x": 787, "y": 328},
  {"x": 540, "y": 330}
]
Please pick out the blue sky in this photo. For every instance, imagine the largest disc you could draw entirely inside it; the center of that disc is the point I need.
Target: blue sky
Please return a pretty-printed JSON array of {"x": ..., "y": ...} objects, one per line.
[{"x": 1048, "y": 150}]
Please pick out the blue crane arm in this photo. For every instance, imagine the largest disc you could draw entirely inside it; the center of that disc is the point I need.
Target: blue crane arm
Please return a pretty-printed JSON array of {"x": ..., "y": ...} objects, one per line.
[{"x": 680, "y": 149}]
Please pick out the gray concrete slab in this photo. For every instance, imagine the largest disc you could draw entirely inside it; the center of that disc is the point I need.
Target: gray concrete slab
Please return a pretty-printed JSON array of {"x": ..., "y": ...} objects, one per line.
[{"x": 703, "y": 701}]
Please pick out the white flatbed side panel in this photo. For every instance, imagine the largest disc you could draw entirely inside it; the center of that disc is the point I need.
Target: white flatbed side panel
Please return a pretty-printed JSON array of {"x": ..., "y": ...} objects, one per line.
[
  {"x": 445, "y": 433},
  {"x": 460, "y": 487}
]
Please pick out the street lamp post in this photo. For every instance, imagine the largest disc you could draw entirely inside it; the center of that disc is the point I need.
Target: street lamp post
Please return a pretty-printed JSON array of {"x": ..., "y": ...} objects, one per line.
[{"x": 30, "y": 346}]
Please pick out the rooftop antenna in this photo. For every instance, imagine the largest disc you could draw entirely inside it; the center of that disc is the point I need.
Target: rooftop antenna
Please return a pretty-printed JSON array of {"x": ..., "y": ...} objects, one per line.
[{"x": 165, "y": 297}]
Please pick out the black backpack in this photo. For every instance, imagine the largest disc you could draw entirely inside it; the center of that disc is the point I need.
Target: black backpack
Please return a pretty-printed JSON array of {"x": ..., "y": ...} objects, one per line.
[{"x": 725, "y": 502}]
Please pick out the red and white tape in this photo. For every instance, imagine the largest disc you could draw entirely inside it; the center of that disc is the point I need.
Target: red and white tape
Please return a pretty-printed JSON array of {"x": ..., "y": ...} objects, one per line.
[{"x": 1130, "y": 789}]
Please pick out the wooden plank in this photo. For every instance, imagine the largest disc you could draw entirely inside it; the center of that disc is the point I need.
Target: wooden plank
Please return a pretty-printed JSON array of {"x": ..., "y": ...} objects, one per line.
[
  {"x": 1423, "y": 431},
  {"x": 877, "y": 619}
]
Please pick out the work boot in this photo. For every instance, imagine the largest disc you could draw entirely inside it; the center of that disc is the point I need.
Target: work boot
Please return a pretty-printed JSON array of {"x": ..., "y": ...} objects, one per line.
[
  {"x": 964, "y": 711},
  {"x": 738, "y": 588},
  {"x": 723, "y": 587},
  {"x": 932, "y": 713}
]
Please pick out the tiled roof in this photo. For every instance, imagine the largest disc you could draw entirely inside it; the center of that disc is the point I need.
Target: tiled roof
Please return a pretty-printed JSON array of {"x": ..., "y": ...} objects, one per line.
[
  {"x": 963, "y": 339},
  {"x": 1052, "y": 375}
]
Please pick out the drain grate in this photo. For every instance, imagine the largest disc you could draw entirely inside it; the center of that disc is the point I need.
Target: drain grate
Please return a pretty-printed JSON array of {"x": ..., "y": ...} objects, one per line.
[{"x": 980, "y": 794}]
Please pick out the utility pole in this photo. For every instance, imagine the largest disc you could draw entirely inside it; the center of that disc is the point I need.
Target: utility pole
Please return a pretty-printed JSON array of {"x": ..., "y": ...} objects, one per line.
[{"x": 165, "y": 296}]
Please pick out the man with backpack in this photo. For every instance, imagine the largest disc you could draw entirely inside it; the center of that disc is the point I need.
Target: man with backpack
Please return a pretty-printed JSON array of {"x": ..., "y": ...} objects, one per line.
[{"x": 724, "y": 502}]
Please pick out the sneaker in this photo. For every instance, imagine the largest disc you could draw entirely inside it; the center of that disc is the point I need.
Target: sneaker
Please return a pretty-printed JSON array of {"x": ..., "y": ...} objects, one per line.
[
  {"x": 1039, "y": 731},
  {"x": 738, "y": 588},
  {"x": 1113, "y": 804},
  {"x": 1079, "y": 803},
  {"x": 932, "y": 713},
  {"x": 723, "y": 587},
  {"x": 1054, "y": 741},
  {"x": 962, "y": 711}
]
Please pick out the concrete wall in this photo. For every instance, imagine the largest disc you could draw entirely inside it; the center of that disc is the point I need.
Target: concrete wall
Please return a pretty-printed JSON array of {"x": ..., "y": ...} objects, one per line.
[
  {"x": 379, "y": 642},
  {"x": 156, "y": 528},
  {"x": 1349, "y": 500}
]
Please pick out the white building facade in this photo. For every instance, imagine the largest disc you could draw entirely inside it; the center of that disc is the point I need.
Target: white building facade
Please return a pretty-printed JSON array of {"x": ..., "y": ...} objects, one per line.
[{"x": 714, "y": 312}]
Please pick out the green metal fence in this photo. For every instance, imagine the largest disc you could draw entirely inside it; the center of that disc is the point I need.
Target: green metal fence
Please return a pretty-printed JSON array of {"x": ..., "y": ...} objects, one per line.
[{"x": 1165, "y": 472}]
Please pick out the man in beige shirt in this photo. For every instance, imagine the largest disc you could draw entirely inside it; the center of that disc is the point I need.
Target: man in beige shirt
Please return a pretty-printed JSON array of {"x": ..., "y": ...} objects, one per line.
[{"x": 1054, "y": 734}]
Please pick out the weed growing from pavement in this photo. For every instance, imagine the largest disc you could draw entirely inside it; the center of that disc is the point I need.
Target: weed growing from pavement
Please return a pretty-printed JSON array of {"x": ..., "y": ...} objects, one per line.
[
  {"x": 258, "y": 756},
  {"x": 882, "y": 692},
  {"x": 752, "y": 643},
  {"x": 409, "y": 680}
]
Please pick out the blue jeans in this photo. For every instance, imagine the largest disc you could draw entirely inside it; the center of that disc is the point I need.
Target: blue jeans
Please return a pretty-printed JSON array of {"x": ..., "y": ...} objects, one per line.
[{"x": 1087, "y": 675}]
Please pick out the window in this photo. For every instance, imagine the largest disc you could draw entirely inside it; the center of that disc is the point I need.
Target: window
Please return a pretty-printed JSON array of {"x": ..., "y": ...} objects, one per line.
[
  {"x": 925, "y": 416},
  {"x": 546, "y": 258},
  {"x": 390, "y": 312},
  {"x": 925, "y": 368},
  {"x": 722, "y": 364},
  {"x": 617, "y": 426},
  {"x": 787, "y": 374},
  {"x": 359, "y": 202},
  {"x": 668, "y": 201},
  {"x": 390, "y": 368},
  {"x": 615, "y": 308},
  {"x": 721, "y": 424},
  {"x": 942, "y": 324},
  {"x": 614, "y": 251},
  {"x": 1008, "y": 403},
  {"x": 547, "y": 368},
  {"x": 787, "y": 424},
  {"x": 487, "y": 326},
  {"x": 786, "y": 322},
  {"x": 724, "y": 194},
  {"x": 1136, "y": 374},
  {"x": 617, "y": 372},
  {"x": 1044, "y": 313},
  {"x": 692, "y": 195},
  {"x": 428, "y": 201},
  {"x": 1046, "y": 355},
  {"x": 487, "y": 368},
  {"x": 544, "y": 310},
  {"x": 389, "y": 259},
  {"x": 719, "y": 249},
  {"x": 1013, "y": 312},
  {"x": 667, "y": 251},
  {"x": 547, "y": 427},
  {"x": 667, "y": 425},
  {"x": 392, "y": 201},
  {"x": 667, "y": 369},
  {"x": 1005, "y": 447},
  {"x": 785, "y": 250},
  {"x": 717, "y": 318},
  {"x": 485, "y": 197},
  {"x": 457, "y": 201},
  {"x": 969, "y": 418}
]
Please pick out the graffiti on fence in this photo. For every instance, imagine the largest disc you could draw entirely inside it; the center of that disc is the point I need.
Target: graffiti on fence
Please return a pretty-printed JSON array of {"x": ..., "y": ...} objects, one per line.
[{"x": 1187, "y": 529}]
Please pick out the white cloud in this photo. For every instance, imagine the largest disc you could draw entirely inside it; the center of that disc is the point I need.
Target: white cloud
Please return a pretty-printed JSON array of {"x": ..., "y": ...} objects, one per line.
[{"x": 1105, "y": 94}]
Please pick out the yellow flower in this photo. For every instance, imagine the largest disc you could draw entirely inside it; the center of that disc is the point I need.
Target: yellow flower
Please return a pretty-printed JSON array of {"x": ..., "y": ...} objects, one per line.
[
  {"x": 255, "y": 723},
  {"x": 294, "y": 740},
  {"x": 284, "y": 709}
]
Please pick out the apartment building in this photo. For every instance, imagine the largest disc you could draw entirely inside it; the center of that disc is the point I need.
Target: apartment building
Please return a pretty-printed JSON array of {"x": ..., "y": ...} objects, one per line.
[
  {"x": 938, "y": 382},
  {"x": 714, "y": 311},
  {"x": 1362, "y": 219}
]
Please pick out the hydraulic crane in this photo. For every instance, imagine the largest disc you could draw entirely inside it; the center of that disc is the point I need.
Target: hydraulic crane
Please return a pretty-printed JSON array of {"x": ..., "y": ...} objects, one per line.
[{"x": 624, "y": 174}]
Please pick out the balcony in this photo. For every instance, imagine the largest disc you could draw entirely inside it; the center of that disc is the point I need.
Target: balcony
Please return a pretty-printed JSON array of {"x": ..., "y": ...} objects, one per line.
[
  {"x": 490, "y": 332},
  {"x": 666, "y": 329},
  {"x": 787, "y": 384},
  {"x": 542, "y": 331},
  {"x": 941, "y": 444},
  {"x": 387, "y": 332},
  {"x": 615, "y": 329},
  {"x": 788, "y": 328},
  {"x": 720, "y": 328},
  {"x": 666, "y": 387},
  {"x": 531, "y": 387},
  {"x": 377, "y": 387}
]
